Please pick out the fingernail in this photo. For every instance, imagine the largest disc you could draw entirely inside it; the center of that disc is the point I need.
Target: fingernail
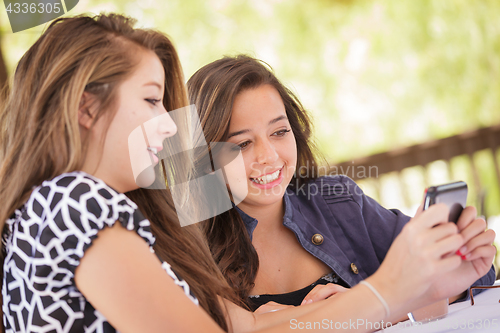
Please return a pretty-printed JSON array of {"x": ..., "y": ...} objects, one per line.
[
  {"x": 468, "y": 255},
  {"x": 464, "y": 257},
  {"x": 309, "y": 301},
  {"x": 303, "y": 302},
  {"x": 463, "y": 249},
  {"x": 458, "y": 253}
]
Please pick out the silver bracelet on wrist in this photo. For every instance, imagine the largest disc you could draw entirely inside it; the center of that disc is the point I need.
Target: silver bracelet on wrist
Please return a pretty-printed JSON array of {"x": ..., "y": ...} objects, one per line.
[{"x": 380, "y": 298}]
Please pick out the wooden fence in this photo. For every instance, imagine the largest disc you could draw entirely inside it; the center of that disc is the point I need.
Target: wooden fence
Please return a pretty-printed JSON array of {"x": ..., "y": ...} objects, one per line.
[{"x": 395, "y": 161}]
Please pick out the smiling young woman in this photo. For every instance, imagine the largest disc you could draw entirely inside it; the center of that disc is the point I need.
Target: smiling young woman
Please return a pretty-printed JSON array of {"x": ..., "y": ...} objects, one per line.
[
  {"x": 269, "y": 151},
  {"x": 294, "y": 230},
  {"x": 68, "y": 174}
]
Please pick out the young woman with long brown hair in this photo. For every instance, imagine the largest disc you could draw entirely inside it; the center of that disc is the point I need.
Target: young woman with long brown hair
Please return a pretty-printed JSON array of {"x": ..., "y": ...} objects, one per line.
[
  {"x": 295, "y": 230},
  {"x": 81, "y": 136},
  {"x": 76, "y": 95}
]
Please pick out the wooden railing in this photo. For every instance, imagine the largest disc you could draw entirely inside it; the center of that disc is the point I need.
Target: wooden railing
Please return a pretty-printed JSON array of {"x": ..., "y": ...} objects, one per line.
[
  {"x": 395, "y": 161},
  {"x": 373, "y": 168}
]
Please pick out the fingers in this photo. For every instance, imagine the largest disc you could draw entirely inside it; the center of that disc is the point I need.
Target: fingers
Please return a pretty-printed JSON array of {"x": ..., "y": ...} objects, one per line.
[
  {"x": 449, "y": 264},
  {"x": 441, "y": 231},
  {"x": 447, "y": 245},
  {"x": 434, "y": 215},
  {"x": 430, "y": 234},
  {"x": 475, "y": 235},
  {"x": 474, "y": 246},
  {"x": 487, "y": 251},
  {"x": 321, "y": 292},
  {"x": 481, "y": 259},
  {"x": 473, "y": 232},
  {"x": 474, "y": 228},
  {"x": 271, "y": 307},
  {"x": 467, "y": 217}
]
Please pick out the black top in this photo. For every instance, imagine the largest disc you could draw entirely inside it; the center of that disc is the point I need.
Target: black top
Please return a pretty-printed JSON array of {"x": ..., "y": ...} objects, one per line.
[{"x": 293, "y": 297}]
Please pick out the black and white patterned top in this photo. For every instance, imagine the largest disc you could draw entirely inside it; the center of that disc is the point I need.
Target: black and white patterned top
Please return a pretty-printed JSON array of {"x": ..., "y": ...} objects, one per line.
[{"x": 44, "y": 243}]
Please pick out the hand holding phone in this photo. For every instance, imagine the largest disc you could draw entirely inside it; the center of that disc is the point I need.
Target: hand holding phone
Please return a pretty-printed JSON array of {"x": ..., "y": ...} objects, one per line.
[{"x": 454, "y": 195}]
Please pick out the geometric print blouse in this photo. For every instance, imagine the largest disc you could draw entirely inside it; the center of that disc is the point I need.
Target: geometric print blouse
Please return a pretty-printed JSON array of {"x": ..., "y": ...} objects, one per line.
[{"x": 44, "y": 243}]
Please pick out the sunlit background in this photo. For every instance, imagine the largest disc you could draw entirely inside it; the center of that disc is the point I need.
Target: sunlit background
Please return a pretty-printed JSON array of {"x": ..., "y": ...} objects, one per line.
[{"x": 376, "y": 75}]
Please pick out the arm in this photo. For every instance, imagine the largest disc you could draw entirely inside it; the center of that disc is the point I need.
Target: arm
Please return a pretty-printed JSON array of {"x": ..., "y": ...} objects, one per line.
[
  {"x": 413, "y": 266},
  {"x": 144, "y": 298},
  {"x": 288, "y": 320},
  {"x": 122, "y": 279}
]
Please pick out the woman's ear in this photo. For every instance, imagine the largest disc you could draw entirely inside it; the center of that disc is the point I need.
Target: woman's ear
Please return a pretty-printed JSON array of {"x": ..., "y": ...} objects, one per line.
[{"x": 87, "y": 110}]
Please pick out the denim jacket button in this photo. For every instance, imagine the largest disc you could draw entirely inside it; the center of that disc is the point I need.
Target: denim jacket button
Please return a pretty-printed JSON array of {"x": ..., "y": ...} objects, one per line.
[
  {"x": 317, "y": 239},
  {"x": 354, "y": 269}
]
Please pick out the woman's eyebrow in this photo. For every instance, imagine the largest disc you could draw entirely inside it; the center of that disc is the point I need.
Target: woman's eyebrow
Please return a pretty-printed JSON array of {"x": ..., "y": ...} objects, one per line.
[
  {"x": 153, "y": 83},
  {"x": 275, "y": 120},
  {"x": 237, "y": 133}
]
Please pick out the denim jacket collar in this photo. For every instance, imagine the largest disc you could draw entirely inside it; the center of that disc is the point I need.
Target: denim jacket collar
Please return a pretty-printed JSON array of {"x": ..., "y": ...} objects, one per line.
[{"x": 251, "y": 222}]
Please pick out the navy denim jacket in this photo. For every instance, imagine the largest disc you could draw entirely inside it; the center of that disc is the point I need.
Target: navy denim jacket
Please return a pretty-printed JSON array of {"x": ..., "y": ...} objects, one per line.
[{"x": 357, "y": 232}]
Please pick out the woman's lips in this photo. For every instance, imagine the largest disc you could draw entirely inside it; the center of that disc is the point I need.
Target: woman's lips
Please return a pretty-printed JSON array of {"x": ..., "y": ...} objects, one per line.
[
  {"x": 269, "y": 185},
  {"x": 269, "y": 173},
  {"x": 153, "y": 151},
  {"x": 154, "y": 157}
]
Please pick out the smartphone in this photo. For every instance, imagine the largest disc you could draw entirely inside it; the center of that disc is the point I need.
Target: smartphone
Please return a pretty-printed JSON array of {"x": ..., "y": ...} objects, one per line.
[{"x": 454, "y": 195}]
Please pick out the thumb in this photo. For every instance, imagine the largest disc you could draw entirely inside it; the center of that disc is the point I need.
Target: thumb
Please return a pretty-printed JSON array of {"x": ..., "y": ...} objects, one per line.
[{"x": 421, "y": 207}]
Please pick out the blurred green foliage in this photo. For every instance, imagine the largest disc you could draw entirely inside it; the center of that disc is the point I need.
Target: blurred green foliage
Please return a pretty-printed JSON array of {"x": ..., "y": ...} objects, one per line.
[{"x": 375, "y": 74}]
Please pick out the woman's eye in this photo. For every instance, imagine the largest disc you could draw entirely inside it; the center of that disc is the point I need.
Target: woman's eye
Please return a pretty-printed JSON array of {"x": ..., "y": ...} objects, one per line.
[
  {"x": 281, "y": 132},
  {"x": 153, "y": 101},
  {"x": 243, "y": 145}
]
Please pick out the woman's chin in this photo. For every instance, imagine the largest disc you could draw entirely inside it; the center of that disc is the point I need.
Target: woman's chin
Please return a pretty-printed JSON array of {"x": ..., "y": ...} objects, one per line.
[
  {"x": 264, "y": 198},
  {"x": 146, "y": 178}
]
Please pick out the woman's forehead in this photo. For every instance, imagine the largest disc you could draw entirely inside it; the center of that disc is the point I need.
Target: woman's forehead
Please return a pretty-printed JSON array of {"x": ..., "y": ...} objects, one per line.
[{"x": 259, "y": 105}]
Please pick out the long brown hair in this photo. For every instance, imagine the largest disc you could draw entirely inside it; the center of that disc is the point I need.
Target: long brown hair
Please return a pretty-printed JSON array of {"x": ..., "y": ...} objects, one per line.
[
  {"x": 212, "y": 89},
  {"x": 40, "y": 136}
]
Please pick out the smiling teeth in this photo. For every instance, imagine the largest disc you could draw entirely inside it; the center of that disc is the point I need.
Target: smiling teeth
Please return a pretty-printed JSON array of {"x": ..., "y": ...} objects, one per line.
[
  {"x": 267, "y": 178},
  {"x": 153, "y": 150}
]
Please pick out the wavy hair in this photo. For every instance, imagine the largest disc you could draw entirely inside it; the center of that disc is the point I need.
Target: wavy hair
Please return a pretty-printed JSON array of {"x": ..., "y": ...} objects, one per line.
[
  {"x": 213, "y": 89},
  {"x": 40, "y": 136}
]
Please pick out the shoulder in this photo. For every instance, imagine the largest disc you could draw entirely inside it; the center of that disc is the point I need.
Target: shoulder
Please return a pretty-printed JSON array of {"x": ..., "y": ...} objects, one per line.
[
  {"x": 77, "y": 184},
  {"x": 79, "y": 201},
  {"x": 76, "y": 206},
  {"x": 79, "y": 191},
  {"x": 337, "y": 184},
  {"x": 332, "y": 189}
]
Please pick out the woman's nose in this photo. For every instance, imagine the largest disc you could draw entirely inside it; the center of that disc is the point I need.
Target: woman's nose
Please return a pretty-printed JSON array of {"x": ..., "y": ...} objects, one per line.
[
  {"x": 159, "y": 128},
  {"x": 266, "y": 153},
  {"x": 166, "y": 125}
]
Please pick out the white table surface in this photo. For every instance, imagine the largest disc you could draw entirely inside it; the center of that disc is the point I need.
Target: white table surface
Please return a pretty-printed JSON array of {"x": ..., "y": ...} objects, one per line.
[{"x": 483, "y": 316}]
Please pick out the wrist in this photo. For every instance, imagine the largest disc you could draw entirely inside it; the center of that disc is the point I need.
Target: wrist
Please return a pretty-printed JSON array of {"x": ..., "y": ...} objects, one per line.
[
  {"x": 379, "y": 296},
  {"x": 397, "y": 296}
]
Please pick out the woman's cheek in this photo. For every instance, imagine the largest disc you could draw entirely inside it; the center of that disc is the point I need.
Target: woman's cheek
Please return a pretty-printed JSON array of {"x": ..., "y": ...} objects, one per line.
[{"x": 237, "y": 176}]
